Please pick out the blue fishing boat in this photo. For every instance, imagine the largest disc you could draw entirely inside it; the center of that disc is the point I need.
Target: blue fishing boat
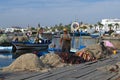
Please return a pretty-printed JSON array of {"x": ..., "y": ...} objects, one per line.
[
  {"x": 79, "y": 34},
  {"x": 95, "y": 35},
  {"x": 30, "y": 45}
]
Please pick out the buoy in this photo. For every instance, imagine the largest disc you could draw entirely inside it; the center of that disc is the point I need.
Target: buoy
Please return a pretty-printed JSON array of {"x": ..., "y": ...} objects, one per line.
[{"x": 114, "y": 52}]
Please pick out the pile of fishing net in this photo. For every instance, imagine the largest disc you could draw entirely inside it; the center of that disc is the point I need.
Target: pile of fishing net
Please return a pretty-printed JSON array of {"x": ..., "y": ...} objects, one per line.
[
  {"x": 90, "y": 53},
  {"x": 95, "y": 51},
  {"x": 52, "y": 60},
  {"x": 87, "y": 55},
  {"x": 26, "y": 62},
  {"x": 70, "y": 58},
  {"x": 32, "y": 62}
]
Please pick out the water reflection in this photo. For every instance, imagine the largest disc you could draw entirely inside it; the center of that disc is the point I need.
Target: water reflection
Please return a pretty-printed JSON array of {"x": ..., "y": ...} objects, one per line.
[
  {"x": 83, "y": 41},
  {"x": 5, "y": 59},
  {"x": 6, "y": 56}
]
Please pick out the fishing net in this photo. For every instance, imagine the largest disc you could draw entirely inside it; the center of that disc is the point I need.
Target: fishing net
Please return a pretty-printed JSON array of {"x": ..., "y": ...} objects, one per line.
[{"x": 26, "y": 62}]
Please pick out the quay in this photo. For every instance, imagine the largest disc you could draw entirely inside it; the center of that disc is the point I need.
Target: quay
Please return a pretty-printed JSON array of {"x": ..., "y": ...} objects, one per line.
[{"x": 83, "y": 71}]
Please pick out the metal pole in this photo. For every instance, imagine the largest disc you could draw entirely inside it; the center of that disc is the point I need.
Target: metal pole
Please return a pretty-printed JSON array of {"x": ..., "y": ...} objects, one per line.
[
  {"x": 73, "y": 40},
  {"x": 80, "y": 40}
]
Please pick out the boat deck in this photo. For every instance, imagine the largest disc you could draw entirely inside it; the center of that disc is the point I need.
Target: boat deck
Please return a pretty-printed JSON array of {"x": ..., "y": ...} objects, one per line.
[{"x": 83, "y": 71}]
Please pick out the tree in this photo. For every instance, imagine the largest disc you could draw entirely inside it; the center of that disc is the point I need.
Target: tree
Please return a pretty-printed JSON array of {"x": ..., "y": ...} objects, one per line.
[
  {"x": 32, "y": 28},
  {"x": 53, "y": 29},
  {"x": 110, "y": 26},
  {"x": 84, "y": 27},
  {"x": 90, "y": 26},
  {"x": 110, "y": 29},
  {"x": 68, "y": 27},
  {"x": 95, "y": 26},
  {"x": 100, "y": 25},
  {"x": 117, "y": 25}
]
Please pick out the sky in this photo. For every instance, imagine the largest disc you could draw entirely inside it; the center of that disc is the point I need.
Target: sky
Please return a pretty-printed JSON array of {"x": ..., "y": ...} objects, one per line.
[{"x": 51, "y": 12}]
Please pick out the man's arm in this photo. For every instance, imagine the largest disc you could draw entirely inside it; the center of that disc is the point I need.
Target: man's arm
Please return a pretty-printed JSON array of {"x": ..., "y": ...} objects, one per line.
[{"x": 61, "y": 39}]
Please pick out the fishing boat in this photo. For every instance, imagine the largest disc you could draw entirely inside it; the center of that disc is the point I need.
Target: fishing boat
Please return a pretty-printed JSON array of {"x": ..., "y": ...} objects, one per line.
[
  {"x": 95, "y": 35},
  {"x": 31, "y": 46},
  {"x": 77, "y": 34}
]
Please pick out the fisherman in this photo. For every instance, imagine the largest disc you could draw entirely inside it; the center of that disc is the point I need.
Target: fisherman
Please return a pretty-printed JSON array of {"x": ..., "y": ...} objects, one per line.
[
  {"x": 15, "y": 38},
  {"x": 65, "y": 41},
  {"x": 39, "y": 37},
  {"x": 29, "y": 34}
]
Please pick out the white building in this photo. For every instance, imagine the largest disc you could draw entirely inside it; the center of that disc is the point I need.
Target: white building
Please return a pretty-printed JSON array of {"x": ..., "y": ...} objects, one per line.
[
  {"x": 106, "y": 22},
  {"x": 12, "y": 29},
  {"x": 110, "y": 21}
]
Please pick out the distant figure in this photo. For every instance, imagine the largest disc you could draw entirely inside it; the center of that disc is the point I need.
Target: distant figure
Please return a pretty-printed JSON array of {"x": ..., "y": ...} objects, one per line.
[
  {"x": 65, "y": 41},
  {"x": 15, "y": 38},
  {"x": 40, "y": 33},
  {"x": 28, "y": 34},
  {"x": 39, "y": 37}
]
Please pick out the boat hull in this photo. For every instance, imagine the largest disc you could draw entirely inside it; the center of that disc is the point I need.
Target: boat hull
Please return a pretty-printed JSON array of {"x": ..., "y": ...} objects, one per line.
[
  {"x": 80, "y": 34},
  {"x": 33, "y": 46}
]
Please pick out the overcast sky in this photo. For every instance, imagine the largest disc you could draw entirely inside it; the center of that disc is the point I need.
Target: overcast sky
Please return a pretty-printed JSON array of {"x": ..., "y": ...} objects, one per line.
[{"x": 51, "y": 12}]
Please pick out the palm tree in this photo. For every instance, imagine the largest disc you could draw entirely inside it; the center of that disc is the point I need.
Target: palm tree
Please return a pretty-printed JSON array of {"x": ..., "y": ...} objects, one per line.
[
  {"x": 95, "y": 26},
  {"x": 117, "y": 25},
  {"x": 90, "y": 26},
  {"x": 110, "y": 26},
  {"x": 100, "y": 25},
  {"x": 110, "y": 29},
  {"x": 68, "y": 26}
]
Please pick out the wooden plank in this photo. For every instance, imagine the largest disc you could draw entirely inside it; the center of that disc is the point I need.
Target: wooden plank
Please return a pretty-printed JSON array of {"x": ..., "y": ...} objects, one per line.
[
  {"x": 115, "y": 77},
  {"x": 104, "y": 76},
  {"x": 58, "y": 74},
  {"x": 72, "y": 72},
  {"x": 20, "y": 75},
  {"x": 98, "y": 75},
  {"x": 55, "y": 73},
  {"x": 90, "y": 75}
]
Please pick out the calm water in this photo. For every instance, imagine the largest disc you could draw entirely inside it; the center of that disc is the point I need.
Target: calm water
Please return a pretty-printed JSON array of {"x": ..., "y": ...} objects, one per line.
[
  {"x": 77, "y": 42},
  {"x": 7, "y": 58}
]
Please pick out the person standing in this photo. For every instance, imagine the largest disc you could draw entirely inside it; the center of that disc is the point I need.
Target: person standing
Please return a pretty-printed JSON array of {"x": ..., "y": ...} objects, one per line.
[
  {"x": 65, "y": 41},
  {"x": 40, "y": 33},
  {"x": 39, "y": 37}
]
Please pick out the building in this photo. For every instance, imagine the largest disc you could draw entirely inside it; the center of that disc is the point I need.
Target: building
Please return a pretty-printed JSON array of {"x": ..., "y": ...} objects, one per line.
[
  {"x": 106, "y": 23},
  {"x": 110, "y": 21},
  {"x": 12, "y": 29}
]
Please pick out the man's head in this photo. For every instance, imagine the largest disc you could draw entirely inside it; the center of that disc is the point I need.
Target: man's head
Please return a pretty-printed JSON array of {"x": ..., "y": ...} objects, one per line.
[
  {"x": 40, "y": 30},
  {"x": 65, "y": 30}
]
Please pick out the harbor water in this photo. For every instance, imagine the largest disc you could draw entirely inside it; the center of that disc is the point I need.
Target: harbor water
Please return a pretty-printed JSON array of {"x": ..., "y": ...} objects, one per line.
[{"x": 7, "y": 58}]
